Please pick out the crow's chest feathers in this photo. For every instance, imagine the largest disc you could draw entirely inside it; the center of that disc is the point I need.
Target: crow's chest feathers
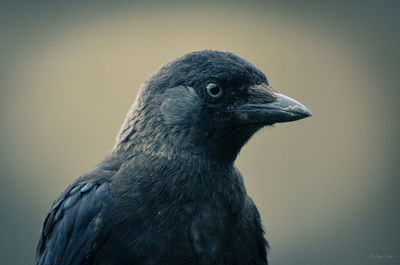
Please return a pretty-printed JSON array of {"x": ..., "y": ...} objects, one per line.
[
  {"x": 213, "y": 219},
  {"x": 207, "y": 233}
]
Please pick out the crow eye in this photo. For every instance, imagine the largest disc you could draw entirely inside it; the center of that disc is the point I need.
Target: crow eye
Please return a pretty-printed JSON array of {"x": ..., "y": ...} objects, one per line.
[{"x": 213, "y": 90}]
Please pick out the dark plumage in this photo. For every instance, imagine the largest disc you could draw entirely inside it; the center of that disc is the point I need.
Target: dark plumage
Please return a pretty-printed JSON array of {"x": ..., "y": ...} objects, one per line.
[{"x": 169, "y": 192}]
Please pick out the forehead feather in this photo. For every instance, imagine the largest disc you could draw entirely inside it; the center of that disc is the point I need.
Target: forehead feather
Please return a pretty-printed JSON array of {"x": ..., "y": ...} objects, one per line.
[{"x": 197, "y": 67}]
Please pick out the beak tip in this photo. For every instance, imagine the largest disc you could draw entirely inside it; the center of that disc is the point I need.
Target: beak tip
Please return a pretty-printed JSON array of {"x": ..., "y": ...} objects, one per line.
[
  {"x": 302, "y": 113},
  {"x": 307, "y": 113},
  {"x": 293, "y": 106}
]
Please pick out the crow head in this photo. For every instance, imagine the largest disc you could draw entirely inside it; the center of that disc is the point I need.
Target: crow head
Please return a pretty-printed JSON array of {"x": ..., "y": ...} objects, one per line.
[{"x": 206, "y": 103}]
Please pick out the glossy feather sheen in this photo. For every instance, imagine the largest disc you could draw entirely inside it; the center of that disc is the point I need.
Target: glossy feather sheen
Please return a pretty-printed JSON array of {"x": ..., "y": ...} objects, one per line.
[{"x": 169, "y": 192}]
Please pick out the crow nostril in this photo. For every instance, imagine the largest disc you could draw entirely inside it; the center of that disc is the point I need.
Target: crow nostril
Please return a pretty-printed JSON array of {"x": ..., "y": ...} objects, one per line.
[{"x": 261, "y": 94}]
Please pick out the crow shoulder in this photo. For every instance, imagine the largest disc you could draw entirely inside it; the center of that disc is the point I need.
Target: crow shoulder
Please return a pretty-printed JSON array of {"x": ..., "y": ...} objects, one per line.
[{"x": 72, "y": 226}]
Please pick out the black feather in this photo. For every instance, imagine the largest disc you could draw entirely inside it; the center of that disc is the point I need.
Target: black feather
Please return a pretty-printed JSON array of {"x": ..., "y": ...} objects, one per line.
[{"x": 169, "y": 192}]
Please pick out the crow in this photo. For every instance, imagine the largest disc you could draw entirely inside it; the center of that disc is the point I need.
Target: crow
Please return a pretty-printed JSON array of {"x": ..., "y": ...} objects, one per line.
[{"x": 169, "y": 192}]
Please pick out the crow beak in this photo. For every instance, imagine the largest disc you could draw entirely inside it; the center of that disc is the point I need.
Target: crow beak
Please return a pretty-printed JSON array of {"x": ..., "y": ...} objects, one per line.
[{"x": 283, "y": 109}]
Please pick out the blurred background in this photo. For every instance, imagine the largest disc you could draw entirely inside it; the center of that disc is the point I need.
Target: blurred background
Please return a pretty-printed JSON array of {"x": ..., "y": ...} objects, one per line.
[{"x": 327, "y": 187}]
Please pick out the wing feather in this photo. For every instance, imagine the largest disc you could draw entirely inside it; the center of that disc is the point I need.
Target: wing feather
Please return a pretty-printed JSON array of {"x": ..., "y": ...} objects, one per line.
[{"x": 70, "y": 229}]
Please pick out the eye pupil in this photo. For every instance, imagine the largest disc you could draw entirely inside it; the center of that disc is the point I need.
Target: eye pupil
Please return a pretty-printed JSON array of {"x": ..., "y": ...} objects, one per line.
[{"x": 213, "y": 90}]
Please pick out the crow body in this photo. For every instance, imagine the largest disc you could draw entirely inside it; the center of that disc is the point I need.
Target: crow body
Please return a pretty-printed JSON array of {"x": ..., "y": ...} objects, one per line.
[{"x": 169, "y": 192}]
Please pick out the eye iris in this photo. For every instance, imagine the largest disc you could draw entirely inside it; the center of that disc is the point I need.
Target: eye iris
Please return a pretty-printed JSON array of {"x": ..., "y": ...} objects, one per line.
[{"x": 214, "y": 90}]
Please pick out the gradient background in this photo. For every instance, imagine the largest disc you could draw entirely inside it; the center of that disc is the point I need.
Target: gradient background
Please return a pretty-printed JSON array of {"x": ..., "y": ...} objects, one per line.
[{"x": 327, "y": 187}]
